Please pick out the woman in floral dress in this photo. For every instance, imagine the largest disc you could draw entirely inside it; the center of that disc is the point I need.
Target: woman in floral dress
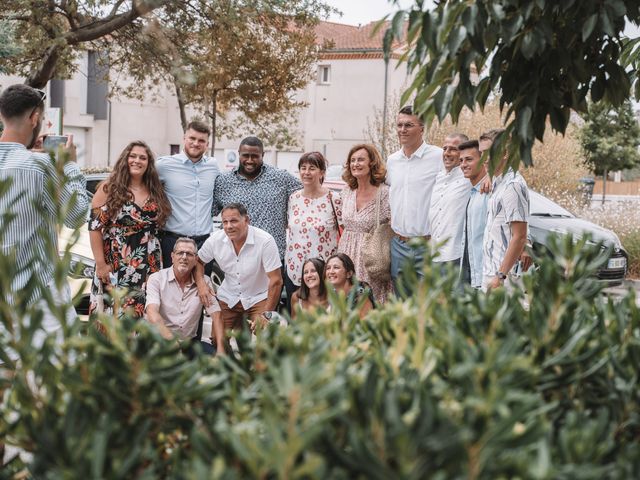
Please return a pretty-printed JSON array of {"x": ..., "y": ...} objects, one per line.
[
  {"x": 126, "y": 212},
  {"x": 313, "y": 219},
  {"x": 364, "y": 173}
]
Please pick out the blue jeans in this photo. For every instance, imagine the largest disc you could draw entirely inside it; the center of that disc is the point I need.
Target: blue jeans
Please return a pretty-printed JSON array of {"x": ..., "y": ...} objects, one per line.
[{"x": 405, "y": 260}]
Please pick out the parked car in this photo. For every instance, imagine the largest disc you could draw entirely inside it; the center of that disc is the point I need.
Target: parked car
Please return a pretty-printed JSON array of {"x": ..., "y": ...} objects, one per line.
[
  {"x": 548, "y": 217},
  {"x": 93, "y": 179}
]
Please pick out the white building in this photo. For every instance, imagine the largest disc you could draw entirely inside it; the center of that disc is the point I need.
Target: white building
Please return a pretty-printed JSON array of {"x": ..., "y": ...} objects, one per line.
[{"x": 350, "y": 84}]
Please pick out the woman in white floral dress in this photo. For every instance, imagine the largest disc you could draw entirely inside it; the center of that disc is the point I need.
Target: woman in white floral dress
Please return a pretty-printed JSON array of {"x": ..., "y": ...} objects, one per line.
[
  {"x": 364, "y": 173},
  {"x": 313, "y": 219}
]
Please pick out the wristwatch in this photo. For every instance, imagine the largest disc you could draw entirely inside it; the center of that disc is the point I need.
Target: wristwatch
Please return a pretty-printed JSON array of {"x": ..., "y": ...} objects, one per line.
[
  {"x": 501, "y": 275},
  {"x": 267, "y": 315}
]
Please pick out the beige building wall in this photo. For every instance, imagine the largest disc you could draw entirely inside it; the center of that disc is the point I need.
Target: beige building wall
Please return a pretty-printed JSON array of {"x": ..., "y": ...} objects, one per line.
[
  {"x": 340, "y": 111},
  {"x": 335, "y": 119}
]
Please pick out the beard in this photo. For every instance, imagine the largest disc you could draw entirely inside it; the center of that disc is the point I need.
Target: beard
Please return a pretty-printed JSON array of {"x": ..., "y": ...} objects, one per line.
[{"x": 34, "y": 136}]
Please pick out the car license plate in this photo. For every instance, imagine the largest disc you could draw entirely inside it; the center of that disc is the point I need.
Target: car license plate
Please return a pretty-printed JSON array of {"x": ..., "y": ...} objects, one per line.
[{"x": 615, "y": 263}]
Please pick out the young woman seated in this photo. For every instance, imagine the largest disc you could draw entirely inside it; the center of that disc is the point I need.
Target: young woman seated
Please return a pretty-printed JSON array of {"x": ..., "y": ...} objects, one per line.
[
  {"x": 340, "y": 273},
  {"x": 312, "y": 292}
]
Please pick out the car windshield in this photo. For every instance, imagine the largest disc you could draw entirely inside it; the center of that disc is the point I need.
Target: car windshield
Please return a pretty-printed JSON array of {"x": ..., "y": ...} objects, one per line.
[{"x": 543, "y": 207}]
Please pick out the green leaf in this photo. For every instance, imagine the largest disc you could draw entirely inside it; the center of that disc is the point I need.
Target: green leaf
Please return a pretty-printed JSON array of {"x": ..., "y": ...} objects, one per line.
[
  {"x": 588, "y": 26},
  {"x": 523, "y": 119},
  {"x": 397, "y": 24},
  {"x": 528, "y": 45}
]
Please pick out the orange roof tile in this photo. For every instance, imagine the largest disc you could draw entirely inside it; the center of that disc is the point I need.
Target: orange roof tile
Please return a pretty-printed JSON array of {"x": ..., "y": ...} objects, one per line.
[{"x": 335, "y": 36}]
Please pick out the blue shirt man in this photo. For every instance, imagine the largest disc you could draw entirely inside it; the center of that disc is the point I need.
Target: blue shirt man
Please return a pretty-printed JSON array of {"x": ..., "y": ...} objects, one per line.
[
  {"x": 475, "y": 218},
  {"x": 188, "y": 178}
]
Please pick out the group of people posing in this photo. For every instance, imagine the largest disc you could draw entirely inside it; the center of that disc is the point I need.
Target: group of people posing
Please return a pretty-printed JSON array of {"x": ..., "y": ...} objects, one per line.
[
  {"x": 278, "y": 230},
  {"x": 151, "y": 225}
]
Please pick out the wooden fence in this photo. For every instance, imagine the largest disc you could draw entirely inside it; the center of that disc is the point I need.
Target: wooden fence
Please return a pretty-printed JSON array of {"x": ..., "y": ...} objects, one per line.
[{"x": 617, "y": 188}]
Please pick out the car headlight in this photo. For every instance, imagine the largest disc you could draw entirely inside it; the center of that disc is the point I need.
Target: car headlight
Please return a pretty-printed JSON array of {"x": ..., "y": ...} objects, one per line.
[{"x": 81, "y": 267}]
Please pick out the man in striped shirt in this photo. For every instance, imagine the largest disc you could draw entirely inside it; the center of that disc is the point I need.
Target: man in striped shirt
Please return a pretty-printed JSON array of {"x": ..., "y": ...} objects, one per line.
[{"x": 34, "y": 195}]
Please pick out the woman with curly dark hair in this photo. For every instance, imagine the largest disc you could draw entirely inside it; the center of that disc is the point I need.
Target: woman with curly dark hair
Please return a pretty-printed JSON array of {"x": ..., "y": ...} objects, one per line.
[
  {"x": 126, "y": 212},
  {"x": 365, "y": 193}
]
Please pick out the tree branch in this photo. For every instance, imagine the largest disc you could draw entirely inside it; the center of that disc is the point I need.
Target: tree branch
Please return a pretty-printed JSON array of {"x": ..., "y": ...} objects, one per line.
[{"x": 109, "y": 24}]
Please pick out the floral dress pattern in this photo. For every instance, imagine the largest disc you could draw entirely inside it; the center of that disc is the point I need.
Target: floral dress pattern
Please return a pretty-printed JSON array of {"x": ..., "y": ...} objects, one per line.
[
  {"x": 312, "y": 230},
  {"x": 132, "y": 249},
  {"x": 356, "y": 225}
]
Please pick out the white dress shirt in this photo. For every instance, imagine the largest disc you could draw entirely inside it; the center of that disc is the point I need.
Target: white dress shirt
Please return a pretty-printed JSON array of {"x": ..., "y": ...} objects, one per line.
[
  {"x": 410, "y": 186},
  {"x": 245, "y": 274},
  {"x": 446, "y": 213}
]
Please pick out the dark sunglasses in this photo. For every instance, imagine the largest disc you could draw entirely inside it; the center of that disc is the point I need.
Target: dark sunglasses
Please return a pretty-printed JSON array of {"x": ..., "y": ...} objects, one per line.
[{"x": 43, "y": 97}]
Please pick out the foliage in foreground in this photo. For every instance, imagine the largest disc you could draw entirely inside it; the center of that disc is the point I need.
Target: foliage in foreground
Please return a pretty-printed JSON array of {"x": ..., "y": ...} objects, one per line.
[
  {"x": 442, "y": 385},
  {"x": 577, "y": 50}
]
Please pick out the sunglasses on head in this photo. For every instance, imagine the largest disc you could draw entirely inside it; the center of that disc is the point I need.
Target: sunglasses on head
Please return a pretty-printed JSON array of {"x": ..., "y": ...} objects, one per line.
[{"x": 43, "y": 97}]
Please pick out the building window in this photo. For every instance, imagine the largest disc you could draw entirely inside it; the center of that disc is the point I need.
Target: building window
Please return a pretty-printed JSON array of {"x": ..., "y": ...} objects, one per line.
[{"x": 324, "y": 74}]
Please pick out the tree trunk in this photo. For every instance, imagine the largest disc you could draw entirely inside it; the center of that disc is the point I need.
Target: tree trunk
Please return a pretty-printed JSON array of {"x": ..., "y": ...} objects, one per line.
[
  {"x": 214, "y": 115},
  {"x": 181, "y": 104},
  {"x": 46, "y": 70},
  {"x": 604, "y": 185}
]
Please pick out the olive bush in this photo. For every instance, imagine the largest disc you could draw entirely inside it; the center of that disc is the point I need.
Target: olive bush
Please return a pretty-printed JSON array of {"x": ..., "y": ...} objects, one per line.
[{"x": 538, "y": 383}]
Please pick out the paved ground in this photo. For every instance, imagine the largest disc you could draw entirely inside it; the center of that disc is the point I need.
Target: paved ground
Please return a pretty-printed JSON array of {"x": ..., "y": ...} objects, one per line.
[{"x": 622, "y": 289}]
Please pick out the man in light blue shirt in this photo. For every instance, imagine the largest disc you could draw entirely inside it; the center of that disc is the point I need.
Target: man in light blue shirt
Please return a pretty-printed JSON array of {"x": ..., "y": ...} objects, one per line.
[
  {"x": 475, "y": 218},
  {"x": 188, "y": 178}
]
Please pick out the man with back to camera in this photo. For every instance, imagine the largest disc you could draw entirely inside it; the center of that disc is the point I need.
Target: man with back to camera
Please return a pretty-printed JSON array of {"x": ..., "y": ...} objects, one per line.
[
  {"x": 448, "y": 201},
  {"x": 411, "y": 174},
  {"x": 33, "y": 203},
  {"x": 475, "y": 214},
  {"x": 250, "y": 260},
  {"x": 188, "y": 178},
  {"x": 505, "y": 234}
]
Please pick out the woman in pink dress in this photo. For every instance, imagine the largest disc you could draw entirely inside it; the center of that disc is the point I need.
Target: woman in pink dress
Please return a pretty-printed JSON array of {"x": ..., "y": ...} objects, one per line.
[
  {"x": 313, "y": 218},
  {"x": 364, "y": 173}
]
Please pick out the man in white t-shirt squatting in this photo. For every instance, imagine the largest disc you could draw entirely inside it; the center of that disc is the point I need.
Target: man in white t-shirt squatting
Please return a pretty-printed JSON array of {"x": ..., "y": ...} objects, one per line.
[
  {"x": 411, "y": 174},
  {"x": 250, "y": 260}
]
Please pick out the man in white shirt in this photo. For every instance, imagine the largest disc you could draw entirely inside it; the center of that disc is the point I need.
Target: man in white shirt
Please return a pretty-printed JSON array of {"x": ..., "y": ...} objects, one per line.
[
  {"x": 505, "y": 234},
  {"x": 251, "y": 263},
  {"x": 411, "y": 174},
  {"x": 448, "y": 202},
  {"x": 172, "y": 297}
]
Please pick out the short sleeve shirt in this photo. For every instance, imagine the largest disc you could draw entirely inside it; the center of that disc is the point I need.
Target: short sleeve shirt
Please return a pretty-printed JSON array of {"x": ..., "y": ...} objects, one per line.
[
  {"x": 508, "y": 203},
  {"x": 245, "y": 274},
  {"x": 180, "y": 309},
  {"x": 266, "y": 198},
  {"x": 189, "y": 188},
  {"x": 312, "y": 231}
]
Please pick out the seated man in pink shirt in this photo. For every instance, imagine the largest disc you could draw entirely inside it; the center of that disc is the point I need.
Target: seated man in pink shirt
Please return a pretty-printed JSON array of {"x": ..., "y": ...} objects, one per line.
[{"x": 173, "y": 304}]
